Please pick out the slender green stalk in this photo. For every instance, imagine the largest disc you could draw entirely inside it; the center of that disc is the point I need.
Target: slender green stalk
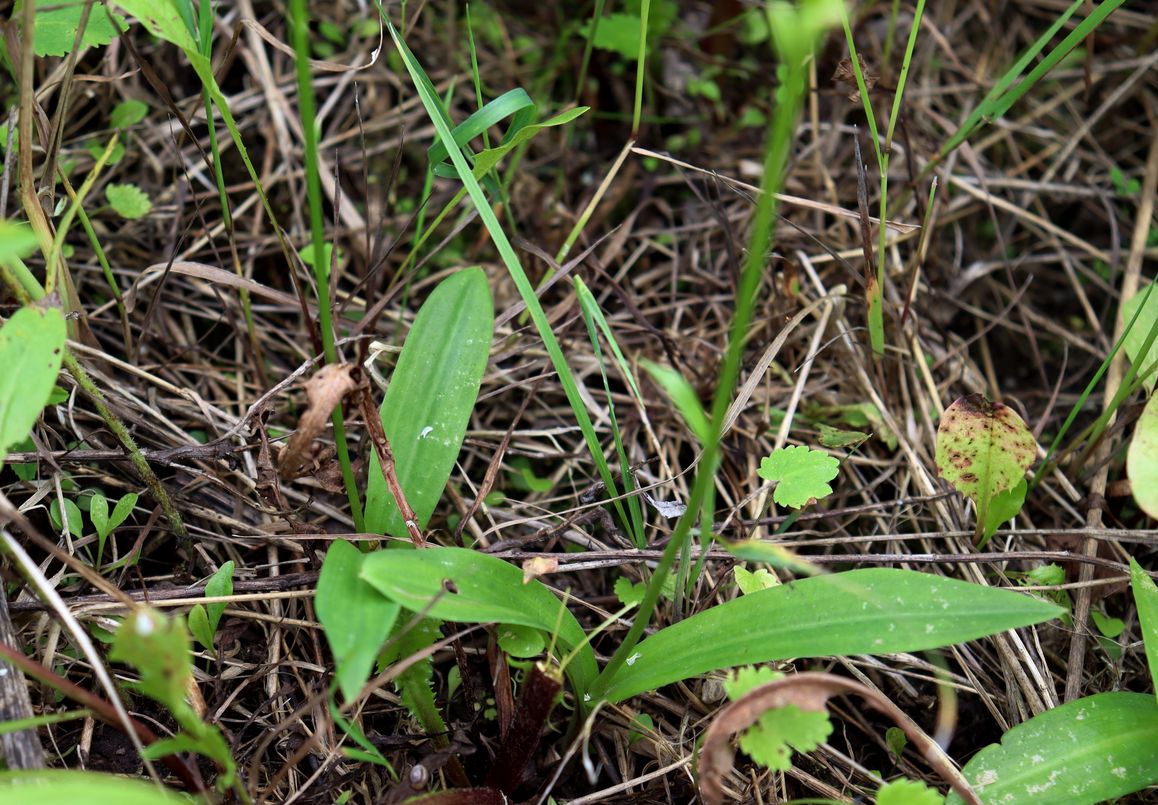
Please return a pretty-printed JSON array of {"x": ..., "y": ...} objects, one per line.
[
  {"x": 776, "y": 156},
  {"x": 640, "y": 64},
  {"x": 307, "y": 111}
]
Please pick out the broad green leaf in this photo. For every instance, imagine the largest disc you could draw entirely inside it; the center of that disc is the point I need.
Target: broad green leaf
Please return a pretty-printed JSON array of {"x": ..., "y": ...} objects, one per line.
[
  {"x": 128, "y": 200},
  {"x": 983, "y": 449},
  {"x": 163, "y": 19},
  {"x": 69, "y": 787},
  {"x": 31, "y": 350},
  {"x": 354, "y": 617},
  {"x": 158, "y": 647},
  {"x": 908, "y": 792},
  {"x": 872, "y": 611},
  {"x": 1085, "y": 751},
  {"x": 128, "y": 113},
  {"x": 1003, "y": 508},
  {"x": 469, "y": 587},
  {"x": 17, "y": 241},
  {"x": 803, "y": 474},
  {"x": 57, "y": 23},
  {"x": 1146, "y": 601},
  {"x": 1142, "y": 459},
  {"x": 1135, "y": 340},
  {"x": 683, "y": 395},
  {"x": 431, "y": 394}
]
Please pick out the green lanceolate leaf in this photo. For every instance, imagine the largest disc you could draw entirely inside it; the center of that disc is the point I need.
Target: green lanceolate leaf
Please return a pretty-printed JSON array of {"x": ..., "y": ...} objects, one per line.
[
  {"x": 1142, "y": 459},
  {"x": 874, "y": 611},
  {"x": 469, "y": 587},
  {"x": 983, "y": 449},
  {"x": 1146, "y": 601},
  {"x": 1085, "y": 751},
  {"x": 31, "y": 350},
  {"x": 355, "y": 617},
  {"x": 68, "y": 787},
  {"x": 430, "y": 397}
]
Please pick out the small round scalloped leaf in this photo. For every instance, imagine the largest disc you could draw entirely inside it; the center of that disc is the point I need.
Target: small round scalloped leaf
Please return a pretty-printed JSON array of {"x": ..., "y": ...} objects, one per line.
[
  {"x": 983, "y": 449},
  {"x": 1142, "y": 459},
  {"x": 803, "y": 474}
]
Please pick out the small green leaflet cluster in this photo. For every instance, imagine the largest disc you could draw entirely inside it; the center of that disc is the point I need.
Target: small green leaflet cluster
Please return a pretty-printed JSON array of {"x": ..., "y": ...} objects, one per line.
[{"x": 771, "y": 740}]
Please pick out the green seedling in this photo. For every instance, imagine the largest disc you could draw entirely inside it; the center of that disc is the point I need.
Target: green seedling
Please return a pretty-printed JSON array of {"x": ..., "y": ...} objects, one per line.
[
  {"x": 771, "y": 740},
  {"x": 205, "y": 618},
  {"x": 57, "y": 26},
  {"x": 104, "y": 523},
  {"x": 984, "y": 449},
  {"x": 158, "y": 647},
  {"x": 908, "y": 792}
]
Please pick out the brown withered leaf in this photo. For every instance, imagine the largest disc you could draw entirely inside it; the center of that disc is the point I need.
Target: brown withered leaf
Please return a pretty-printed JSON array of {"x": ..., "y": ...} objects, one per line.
[
  {"x": 846, "y": 75},
  {"x": 324, "y": 391}
]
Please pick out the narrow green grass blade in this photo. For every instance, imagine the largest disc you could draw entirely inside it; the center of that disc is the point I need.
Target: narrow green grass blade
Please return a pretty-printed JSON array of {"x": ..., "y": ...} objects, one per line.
[
  {"x": 591, "y": 313},
  {"x": 438, "y": 117},
  {"x": 998, "y": 100},
  {"x": 874, "y": 611},
  {"x": 430, "y": 398},
  {"x": 465, "y": 586},
  {"x": 1089, "y": 750}
]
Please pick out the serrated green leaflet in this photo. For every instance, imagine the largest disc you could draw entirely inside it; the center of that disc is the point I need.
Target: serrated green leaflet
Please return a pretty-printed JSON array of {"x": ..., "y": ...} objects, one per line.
[
  {"x": 1085, "y": 751},
  {"x": 431, "y": 394},
  {"x": 874, "y": 611},
  {"x": 468, "y": 587}
]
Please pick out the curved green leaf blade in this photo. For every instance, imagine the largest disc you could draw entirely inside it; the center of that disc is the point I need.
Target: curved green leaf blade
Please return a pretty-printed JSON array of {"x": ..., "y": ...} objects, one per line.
[
  {"x": 430, "y": 397},
  {"x": 1144, "y": 305},
  {"x": 983, "y": 449},
  {"x": 31, "y": 350},
  {"x": 1089, "y": 750},
  {"x": 66, "y": 787},
  {"x": 1142, "y": 459},
  {"x": 1146, "y": 601},
  {"x": 470, "y": 587},
  {"x": 354, "y": 617},
  {"x": 873, "y": 611}
]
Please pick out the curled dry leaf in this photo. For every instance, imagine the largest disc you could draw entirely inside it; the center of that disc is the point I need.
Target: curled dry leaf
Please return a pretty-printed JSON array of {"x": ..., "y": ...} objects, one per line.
[
  {"x": 539, "y": 566},
  {"x": 809, "y": 692},
  {"x": 323, "y": 393}
]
